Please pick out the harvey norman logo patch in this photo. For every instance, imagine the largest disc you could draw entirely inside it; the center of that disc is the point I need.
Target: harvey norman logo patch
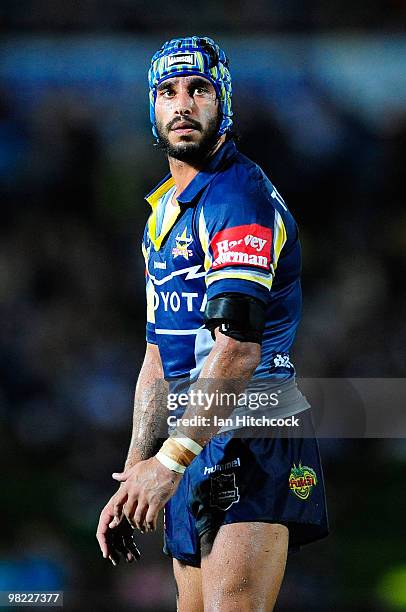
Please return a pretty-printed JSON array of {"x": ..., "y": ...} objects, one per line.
[
  {"x": 183, "y": 58},
  {"x": 242, "y": 245}
]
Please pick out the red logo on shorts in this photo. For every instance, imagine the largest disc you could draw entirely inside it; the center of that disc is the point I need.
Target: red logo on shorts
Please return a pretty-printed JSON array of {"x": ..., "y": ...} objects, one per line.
[{"x": 247, "y": 245}]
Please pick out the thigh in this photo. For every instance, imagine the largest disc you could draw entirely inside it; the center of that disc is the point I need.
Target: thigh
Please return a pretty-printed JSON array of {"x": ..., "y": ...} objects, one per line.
[
  {"x": 189, "y": 595},
  {"x": 244, "y": 569}
]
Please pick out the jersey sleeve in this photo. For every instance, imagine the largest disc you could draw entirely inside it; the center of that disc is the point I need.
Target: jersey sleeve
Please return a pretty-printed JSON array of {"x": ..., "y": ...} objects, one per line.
[
  {"x": 242, "y": 239},
  {"x": 150, "y": 326}
]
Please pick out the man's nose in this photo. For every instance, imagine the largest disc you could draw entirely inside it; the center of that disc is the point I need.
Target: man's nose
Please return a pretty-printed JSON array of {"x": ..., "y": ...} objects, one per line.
[{"x": 184, "y": 103}]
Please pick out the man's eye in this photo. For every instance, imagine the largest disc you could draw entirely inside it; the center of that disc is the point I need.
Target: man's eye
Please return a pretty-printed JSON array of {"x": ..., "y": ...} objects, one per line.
[
  {"x": 200, "y": 90},
  {"x": 167, "y": 93}
]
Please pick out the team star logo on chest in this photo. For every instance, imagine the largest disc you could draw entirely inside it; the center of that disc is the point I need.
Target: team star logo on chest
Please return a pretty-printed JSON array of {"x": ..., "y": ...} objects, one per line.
[{"x": 183, "y": 241}]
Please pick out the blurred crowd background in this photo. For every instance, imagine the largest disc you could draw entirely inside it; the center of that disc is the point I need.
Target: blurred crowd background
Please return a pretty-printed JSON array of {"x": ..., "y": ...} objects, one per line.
[{"x": 320, "y": 104}]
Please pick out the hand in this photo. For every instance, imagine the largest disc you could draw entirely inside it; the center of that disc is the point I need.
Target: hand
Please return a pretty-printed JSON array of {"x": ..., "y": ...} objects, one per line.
[
  {"x": 120, "y": 541},
  {"x": 115, "y": 537},
  {"x": 145, "y": 490}
]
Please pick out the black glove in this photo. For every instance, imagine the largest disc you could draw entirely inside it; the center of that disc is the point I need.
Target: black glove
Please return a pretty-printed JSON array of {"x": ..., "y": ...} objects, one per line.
[{"x": 120, "y": 541}]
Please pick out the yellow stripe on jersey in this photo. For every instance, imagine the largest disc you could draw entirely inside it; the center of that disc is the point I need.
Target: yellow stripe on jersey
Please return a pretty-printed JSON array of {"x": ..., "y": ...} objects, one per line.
[
  {"x": 280, "y": 238},
  {"x": 250, "y": 276},
  {"x": 153, "y": 200},
  {"x": 204, "y": 241}
]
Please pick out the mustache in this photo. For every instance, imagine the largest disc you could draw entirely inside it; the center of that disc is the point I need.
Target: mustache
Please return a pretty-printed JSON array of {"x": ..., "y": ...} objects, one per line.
[{"x": 190, "y": 123}]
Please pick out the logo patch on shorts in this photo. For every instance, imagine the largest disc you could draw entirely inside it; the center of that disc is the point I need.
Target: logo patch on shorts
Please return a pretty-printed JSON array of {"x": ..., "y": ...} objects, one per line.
[
  {"x": 224, "y": 491},
  {"x": 302, "y": 481},
  {"x": 243, "y": 245}
]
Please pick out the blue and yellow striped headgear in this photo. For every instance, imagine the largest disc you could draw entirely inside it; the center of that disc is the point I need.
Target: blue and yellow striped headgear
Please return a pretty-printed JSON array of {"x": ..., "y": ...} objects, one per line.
[{"x": 192, "y": 55}]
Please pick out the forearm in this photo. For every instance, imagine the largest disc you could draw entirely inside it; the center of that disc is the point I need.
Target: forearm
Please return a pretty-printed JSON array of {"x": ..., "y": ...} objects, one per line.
[
  {"x": 227, "y": 370},
  {"x": 149, "y": 409}
]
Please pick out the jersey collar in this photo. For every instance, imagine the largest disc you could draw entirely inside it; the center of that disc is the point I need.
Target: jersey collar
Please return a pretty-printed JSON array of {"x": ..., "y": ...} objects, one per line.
[{"x": 200, "y": 181}]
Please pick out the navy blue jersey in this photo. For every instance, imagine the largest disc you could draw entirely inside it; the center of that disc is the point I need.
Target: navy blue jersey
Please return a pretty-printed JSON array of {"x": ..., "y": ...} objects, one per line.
[{"x": 229, "y": 231}]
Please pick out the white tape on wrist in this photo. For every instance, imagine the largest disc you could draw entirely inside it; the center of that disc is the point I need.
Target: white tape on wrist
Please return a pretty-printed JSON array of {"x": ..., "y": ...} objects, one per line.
[
  {"x": 190, "y": 444},
  {"x": 170, "y": 463}
]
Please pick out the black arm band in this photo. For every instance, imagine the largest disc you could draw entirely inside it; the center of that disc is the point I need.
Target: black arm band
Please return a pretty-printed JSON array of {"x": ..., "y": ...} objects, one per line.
[{"x": 239, "y": 316}]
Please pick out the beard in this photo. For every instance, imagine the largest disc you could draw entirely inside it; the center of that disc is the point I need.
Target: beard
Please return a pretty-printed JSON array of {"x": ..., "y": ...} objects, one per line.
[{"x": 187, "y": 150}]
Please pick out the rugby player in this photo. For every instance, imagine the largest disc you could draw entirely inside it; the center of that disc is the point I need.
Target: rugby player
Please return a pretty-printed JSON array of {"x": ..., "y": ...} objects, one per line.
[{"x": 223, "y": 264}]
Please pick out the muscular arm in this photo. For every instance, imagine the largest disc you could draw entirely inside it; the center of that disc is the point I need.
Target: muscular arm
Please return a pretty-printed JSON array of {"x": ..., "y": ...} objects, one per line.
[
  {"x": 149, "y": 484},
  {"x": 227, "y": 369},
  {"x": 148, "y": 412},
  {"x": 149, "y": 408}
]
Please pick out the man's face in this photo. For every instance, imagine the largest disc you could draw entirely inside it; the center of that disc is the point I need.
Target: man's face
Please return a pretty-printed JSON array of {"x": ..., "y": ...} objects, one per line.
[{"x": 187, "y": 117}]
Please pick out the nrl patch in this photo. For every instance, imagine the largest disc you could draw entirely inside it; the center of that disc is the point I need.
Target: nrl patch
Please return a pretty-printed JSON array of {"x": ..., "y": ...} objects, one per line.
[
  {"x": 302, "y": 481},
  {"x": 182, "y": 58},
  {"x": 223, "y": 492}
]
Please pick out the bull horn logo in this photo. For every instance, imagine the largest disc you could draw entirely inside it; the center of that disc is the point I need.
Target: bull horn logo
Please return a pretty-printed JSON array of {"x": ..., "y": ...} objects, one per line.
[{"x": 182, "y": 243}]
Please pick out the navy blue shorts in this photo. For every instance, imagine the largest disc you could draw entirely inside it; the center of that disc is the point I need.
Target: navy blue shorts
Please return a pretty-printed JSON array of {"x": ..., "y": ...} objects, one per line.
[{"x": 234, "y": 479}]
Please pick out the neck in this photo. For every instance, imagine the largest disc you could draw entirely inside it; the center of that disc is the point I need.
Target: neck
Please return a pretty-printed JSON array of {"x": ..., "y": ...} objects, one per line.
[{"x": 183, "y": 173}]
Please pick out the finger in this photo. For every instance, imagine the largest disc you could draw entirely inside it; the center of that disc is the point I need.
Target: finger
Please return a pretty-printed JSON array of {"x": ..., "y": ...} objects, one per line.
[
  {"x": 139, "y": 515},
  {"x": 129, "y": 510},
  {"x": 119, "y": 544},
  {"x": 131, "y": 522},
  {"x": 132, "y": 548},
  {"x": 101, "y": 538},
  {"x": 131, "y": 526},
  {"x": 114, "y": 554},
  {"x": 124, "y": 542},
  {"x": 127, "y": 532},
  {"x": 120, "y": 476},
  {"x": 101, "y": 533},
  {"x": 151, "y": 517},
  {"x": 119, "y": 501},
  {"x": 103, "y": 545},
  {"x": 114, "y": 559},
  {"x": 127, "y": 554},
  {"x": 151, "y": 523},
  {"x": 116, "y": 546},
  {"x": 130, "y": 558},
  {"x": 115, "y": 522}
]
